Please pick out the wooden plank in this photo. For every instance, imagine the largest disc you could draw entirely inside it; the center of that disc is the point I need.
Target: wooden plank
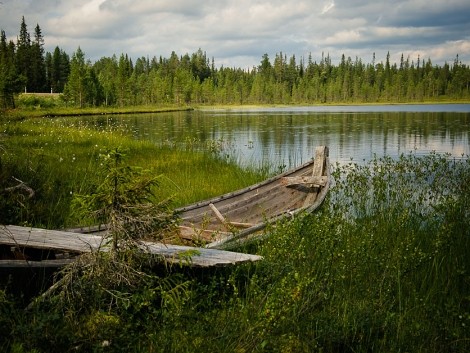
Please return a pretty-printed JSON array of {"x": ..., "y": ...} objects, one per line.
[
  {"x": 81, "y": 243},
  {"x": 321, "y": 152},
  {"x": 49, "y": 239},
  {"x": 35, "y": 264},
  {"x": 315, "y": 181},
  {"x": 319, "y": 162},
  {"x": 219, "y": 215},
  {"x": 198, "y": 257},
  {"x": 227, "y": 223}
]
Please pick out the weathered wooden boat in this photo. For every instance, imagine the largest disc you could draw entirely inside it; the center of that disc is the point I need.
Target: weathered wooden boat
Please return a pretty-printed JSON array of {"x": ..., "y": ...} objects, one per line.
[
  {"x": 218, "y": 223},
  {"x": 236, "y": 216}
]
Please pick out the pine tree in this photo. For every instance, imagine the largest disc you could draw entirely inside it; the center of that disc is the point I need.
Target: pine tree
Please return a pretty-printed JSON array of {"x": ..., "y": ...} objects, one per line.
[
  {"x": 10, "y": 82},
  {"x": 37, "y": 79},
  {"x": 75, "y": 88},
  {"x": 23, "y": 55}
]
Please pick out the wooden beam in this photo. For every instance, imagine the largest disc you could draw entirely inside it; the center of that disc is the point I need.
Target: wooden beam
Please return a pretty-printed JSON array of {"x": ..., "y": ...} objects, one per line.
[
  {"x": 321, "y": 153},
  {"x": 314, "y": 181},
  {"x": 225, "y": 222}
]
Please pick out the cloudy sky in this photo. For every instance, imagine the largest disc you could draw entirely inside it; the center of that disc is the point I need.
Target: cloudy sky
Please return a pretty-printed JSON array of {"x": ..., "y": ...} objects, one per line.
[{"x": 237, "y": 33}]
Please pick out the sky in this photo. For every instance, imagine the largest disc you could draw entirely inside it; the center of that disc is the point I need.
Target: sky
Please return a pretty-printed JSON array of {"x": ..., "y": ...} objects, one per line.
[{"x": 237, "y": 33}]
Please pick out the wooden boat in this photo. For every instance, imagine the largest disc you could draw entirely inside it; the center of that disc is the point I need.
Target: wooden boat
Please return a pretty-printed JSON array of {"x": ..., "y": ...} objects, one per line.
[{"x": 220, "y": 221}]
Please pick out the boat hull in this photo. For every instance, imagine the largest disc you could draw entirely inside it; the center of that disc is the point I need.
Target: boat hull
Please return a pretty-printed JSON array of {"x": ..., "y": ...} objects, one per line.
[{"x": 243, "y": 212}]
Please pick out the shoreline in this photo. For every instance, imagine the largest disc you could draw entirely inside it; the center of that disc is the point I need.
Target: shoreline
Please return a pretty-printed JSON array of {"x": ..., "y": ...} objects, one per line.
[{"x": 61, "y": 112}]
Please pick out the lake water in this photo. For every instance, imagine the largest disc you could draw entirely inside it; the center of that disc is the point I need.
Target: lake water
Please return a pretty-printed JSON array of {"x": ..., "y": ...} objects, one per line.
[{"x": 287, "y": 136}]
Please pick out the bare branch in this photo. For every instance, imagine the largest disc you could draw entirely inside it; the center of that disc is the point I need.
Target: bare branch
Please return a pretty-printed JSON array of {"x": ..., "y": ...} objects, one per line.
[{"x": 21, "y": 186}]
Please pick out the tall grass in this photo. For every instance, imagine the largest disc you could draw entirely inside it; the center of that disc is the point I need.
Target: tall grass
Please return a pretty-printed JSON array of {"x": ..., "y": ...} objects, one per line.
[
  {"x": 383, "y": 266},
  {"x": 60, "y": 157}
]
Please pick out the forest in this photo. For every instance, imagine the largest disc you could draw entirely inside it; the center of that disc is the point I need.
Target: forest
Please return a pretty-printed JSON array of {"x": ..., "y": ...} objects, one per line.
[{"x": 194, "y": 78}]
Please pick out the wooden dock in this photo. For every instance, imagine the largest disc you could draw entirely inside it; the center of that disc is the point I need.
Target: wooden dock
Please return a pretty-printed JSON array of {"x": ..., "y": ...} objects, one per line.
[{"x": 60, "y": 247}]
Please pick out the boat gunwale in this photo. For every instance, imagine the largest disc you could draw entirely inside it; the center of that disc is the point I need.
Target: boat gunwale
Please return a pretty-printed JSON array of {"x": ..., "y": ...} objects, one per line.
[
  {"x": 242, "y": 191},
  {"x": 260, "y": 226}
]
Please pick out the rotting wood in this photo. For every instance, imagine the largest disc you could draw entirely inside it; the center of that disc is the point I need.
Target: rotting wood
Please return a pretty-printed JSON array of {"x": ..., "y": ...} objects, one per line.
[
  {"x": 226, "y": 222},
  {"x": 315, "y": 181},
  {"x": 23, "y": 237},
  {"x": 35, "y": 264},
  {"x": 321, "y": 152}
]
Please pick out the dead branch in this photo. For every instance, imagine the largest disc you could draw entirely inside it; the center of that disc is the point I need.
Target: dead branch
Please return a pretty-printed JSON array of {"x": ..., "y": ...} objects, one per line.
[{"x": 21, "y": 186}]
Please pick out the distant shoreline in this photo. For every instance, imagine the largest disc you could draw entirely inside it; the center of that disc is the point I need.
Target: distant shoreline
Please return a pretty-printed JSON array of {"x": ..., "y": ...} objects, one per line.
[{"x": 21, "y": 113}]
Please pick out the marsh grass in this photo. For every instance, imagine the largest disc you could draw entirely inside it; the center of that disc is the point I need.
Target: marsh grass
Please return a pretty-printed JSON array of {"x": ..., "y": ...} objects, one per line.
[
  {"x": 53, "y": 105},
  {"x": 383, "y": 265},
  {"x": 60, "y": 157}
]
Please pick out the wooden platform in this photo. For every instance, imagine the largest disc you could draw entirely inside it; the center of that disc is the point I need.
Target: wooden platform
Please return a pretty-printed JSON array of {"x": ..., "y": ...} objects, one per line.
[{"x": 68, "y": 244}]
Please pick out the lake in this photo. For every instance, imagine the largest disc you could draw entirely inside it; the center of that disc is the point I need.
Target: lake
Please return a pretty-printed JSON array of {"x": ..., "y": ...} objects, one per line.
[{"x": 287, "y": 136}]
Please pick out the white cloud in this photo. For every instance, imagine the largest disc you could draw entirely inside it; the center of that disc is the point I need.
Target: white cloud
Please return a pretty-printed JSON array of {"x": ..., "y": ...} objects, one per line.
[
  {"x": 239, "y": 32},
  {"x": 342, "y": 37},
  {"x": 327, "y": 7}
]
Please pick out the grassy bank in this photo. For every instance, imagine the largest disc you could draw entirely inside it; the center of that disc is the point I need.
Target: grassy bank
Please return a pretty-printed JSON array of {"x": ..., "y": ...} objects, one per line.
[
  {"x": 52, "y": 105},
  {"x": 382, "y": 267},
  {"x": 58, "y": 158}
]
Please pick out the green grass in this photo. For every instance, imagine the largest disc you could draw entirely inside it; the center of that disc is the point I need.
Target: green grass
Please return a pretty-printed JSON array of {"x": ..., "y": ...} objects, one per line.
[
  {"x": 60, "y": 157},
  {"x": 51, "y": 105},
  {"x": 383, "y": 266}
]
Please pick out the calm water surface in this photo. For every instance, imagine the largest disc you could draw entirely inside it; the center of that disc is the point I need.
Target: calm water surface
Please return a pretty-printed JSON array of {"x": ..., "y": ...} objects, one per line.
[{"x": 288, "y": 136}]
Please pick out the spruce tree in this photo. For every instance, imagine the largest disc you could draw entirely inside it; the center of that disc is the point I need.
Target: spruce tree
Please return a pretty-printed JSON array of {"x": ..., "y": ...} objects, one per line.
[
  {"x": 37, "y": 78},
  {"x": 58, "y": 70},
  {"x": 10, "y": 82},
  {"x": 23, "y": 55}
]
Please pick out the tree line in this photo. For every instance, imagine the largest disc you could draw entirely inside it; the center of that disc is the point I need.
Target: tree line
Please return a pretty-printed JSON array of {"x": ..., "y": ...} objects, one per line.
[{"x": 194, "y": 79}]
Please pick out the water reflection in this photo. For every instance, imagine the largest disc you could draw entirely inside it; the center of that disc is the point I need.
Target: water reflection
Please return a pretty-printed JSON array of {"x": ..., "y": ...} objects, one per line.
[{"x": 288, "y": 137}]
